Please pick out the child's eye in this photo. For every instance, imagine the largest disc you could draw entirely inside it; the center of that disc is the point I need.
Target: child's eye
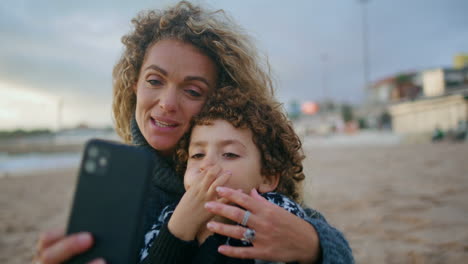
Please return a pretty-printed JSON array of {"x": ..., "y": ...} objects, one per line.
[
  {"x": 230, "y": 155},
  {"x": 197, "y": 156}
]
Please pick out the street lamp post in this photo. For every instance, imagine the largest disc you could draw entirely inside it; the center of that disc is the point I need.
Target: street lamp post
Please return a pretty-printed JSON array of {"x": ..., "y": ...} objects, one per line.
[
  {"x": 365, "y": 44},
  {"x": 324, "y": 58},
  {"x": 59, "y": 113}
]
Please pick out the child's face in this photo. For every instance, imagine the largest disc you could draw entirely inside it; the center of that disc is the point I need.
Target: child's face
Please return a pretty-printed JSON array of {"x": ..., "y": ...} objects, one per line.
[{"x": 230, "y": 148}]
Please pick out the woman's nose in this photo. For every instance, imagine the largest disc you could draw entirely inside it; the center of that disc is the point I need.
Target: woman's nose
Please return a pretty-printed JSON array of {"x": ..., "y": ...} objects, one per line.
[{"x": 168, "y": 99}]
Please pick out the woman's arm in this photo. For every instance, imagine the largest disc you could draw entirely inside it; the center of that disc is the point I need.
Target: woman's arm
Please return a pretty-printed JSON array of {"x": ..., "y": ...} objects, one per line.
[
  {"x": 333, "y": 245},
  {"x": 280, "y": 236}
]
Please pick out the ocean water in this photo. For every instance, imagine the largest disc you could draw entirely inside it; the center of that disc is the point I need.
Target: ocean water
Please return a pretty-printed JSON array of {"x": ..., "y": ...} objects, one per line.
[
  {"x": 31, "y": 162},
  {"x": 11, "y": 164}
]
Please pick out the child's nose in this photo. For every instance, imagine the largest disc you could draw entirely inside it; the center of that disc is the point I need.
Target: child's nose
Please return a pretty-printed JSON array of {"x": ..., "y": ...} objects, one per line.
[{"x": 207, "y": 163}]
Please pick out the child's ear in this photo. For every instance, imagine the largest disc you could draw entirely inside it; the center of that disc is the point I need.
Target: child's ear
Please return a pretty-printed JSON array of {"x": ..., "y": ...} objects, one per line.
[{"x": 269, "y": 183}]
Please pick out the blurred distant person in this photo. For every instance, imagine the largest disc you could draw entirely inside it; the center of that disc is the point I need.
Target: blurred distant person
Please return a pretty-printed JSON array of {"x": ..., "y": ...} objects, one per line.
[
  {"x": 438, "y": 134},
  {"x": 461, "y": 131}
]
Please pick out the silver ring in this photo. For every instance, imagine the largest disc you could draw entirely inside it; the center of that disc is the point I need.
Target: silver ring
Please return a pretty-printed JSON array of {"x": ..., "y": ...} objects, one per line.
[
  {"x": 249, "y": 235},
  {"x": 246, "y": 218}
]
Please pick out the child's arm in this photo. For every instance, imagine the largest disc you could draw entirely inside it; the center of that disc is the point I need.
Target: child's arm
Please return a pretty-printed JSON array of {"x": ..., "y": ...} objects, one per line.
[
  {"x": 190, "y": 214},
  {"x": 151, "y": 237},
  {"x": 161, "y": 244}
]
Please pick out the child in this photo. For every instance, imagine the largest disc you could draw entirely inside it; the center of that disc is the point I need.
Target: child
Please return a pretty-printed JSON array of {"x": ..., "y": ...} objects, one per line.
[{"x": 239, "y": 143}]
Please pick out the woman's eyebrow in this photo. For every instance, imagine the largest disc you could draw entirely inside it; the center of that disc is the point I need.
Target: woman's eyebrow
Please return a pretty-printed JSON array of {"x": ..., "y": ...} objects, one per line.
[
  {"x": 197, "y": 78},
  {"x": 156, "y": 68},
  {"x": 187, "y": 79}
]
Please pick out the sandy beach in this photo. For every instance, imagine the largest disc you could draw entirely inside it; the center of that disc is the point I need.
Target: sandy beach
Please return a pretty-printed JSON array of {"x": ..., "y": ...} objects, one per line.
[{"x": 395, "y": 204}]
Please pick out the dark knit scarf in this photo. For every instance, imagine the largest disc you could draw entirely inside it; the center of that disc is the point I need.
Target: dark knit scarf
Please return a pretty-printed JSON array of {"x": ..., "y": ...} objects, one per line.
[
  {"x": 165, "y": 187},
  {"x": 164, "y": 175}
]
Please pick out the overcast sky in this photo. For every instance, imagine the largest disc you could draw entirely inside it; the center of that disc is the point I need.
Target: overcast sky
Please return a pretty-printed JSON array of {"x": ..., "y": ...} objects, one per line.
[{"x": 53, "y": 51}]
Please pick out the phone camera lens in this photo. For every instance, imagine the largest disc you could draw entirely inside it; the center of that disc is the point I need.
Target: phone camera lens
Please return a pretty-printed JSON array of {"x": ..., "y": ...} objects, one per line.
[
  {"x": 102, "y": 161},
  {"x": 93, "y": 152},
  {"x": 90, "y": 166}
]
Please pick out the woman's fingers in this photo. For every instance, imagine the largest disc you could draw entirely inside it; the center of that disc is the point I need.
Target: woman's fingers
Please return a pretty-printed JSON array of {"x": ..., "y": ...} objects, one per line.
[
  {"x": 66, "y": 248},
  {"x": 234, "y": 231},
  {"x": 98, "y": 261},
  {"x": 257, "y": 196},
  {"x": 48, "y": 238},
  {"x": 239, "y": 198},
  {"x": 222, "y": 200},
  {"x": 234, "y": 213},
  {"x": 241, "y": 252},
  {"x": 279, "y": 234}
]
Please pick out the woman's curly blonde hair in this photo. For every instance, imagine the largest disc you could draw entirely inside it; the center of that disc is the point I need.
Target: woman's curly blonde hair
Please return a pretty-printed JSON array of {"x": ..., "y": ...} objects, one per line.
[
  {"x": 280, "y": 147},
  {"x": 213, "y": 33}
]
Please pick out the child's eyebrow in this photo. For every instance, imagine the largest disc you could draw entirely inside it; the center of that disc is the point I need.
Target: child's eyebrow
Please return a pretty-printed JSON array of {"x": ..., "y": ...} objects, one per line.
[{"x": 225, "y": 142}]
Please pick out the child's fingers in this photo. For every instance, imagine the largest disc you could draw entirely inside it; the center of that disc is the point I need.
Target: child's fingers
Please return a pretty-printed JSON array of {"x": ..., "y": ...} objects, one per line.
[
  {"x": 219, "y": 181},
  {"x": 210, "y": 176}
]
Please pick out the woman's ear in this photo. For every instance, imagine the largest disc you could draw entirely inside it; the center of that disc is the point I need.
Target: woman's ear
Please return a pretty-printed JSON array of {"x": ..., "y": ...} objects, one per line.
[
  {"x": 134, "y": 88},
  {"x": 269, "y": 183}
]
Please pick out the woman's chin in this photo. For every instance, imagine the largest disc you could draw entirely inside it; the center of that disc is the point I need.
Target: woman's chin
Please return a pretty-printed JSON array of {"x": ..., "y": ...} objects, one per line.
[{"x": 163, "y": 146}]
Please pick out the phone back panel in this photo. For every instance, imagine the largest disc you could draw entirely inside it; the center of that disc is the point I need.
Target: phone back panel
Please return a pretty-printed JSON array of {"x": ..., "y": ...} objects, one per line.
[{"x": 109, "y": 200}]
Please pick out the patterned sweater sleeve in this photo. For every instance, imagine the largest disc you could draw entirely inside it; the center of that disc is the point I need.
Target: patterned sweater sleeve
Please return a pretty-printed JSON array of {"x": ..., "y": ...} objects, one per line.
[{"x": 161, "y": 246}]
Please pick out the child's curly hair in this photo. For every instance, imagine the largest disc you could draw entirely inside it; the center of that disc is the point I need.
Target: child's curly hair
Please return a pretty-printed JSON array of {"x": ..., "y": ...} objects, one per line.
[{"x": 279, "y": 146}]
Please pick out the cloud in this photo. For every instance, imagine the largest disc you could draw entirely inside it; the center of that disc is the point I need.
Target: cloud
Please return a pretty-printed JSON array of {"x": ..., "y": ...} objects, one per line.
[{"x": 69, "y": 48}]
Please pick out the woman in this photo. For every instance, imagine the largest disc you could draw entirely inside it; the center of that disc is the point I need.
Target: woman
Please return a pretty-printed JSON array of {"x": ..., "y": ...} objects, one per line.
[{"x": 173, "y": 60}]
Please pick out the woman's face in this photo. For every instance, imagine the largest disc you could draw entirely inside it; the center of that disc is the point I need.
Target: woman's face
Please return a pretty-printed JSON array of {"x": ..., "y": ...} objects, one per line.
[{"x": 174, "y": 83}]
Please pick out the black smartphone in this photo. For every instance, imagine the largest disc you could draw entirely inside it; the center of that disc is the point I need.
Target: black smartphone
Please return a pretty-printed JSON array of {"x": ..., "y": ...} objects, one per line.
[{"x": 109, "y": 200}]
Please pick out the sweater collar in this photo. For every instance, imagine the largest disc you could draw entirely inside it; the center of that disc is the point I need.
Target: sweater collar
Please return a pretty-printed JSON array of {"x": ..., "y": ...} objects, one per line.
[{"x": 164, "y": 175}]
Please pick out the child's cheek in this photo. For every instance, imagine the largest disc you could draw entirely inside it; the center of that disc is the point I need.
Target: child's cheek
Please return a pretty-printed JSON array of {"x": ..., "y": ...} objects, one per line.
[
  {"x": 234, "y": 183},
  {"x": 191, "y": 177}
]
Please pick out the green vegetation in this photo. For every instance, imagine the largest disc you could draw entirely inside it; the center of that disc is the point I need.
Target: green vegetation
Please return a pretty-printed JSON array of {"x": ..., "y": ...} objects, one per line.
[
  {"x": 347, "y": 113},
  {"x": 23, "y": 133}
]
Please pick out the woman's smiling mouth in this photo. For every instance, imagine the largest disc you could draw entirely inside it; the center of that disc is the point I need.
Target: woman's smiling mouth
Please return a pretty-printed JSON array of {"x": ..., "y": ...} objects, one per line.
[{"x": 163, "y": 124}]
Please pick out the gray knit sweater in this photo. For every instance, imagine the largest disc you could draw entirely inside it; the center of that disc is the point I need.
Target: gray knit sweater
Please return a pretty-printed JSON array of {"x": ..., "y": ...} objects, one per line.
[{"x": 167, "y": 188}]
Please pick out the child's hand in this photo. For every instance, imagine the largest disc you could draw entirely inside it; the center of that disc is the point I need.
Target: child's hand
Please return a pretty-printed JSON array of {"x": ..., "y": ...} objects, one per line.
[{"x": 190, "y": 214}]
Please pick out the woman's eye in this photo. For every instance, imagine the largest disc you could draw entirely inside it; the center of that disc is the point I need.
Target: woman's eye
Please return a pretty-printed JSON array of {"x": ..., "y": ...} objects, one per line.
[
  {"x": 193, "y": 93},
  {"x": 230, "y": 155},
  {"x": 197, "y": 156},
  {"x": 154, "y": 82}
]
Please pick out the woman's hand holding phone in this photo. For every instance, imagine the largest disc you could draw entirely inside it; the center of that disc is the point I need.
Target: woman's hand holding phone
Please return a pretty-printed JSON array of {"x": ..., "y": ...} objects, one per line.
[{"x": 53, "y": 247}]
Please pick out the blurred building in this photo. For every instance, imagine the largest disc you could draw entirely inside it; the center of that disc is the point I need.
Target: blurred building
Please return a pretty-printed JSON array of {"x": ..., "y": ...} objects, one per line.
[
  {"x": 442, "y": 103},
  {"x": 381, "y": 94},
  {"x": 460, "y": 61}
]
